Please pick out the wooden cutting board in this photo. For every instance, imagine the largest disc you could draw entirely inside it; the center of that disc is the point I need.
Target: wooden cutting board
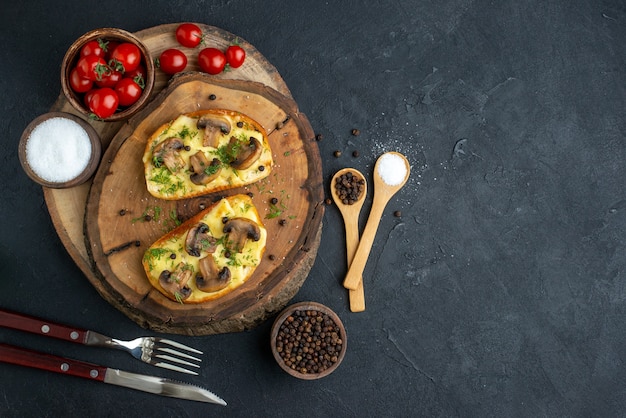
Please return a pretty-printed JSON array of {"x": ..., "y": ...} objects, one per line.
[{"x": 103, "y": 223}]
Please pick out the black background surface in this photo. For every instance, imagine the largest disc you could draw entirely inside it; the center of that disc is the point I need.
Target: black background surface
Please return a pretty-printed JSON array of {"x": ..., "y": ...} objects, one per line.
[{"x": 500, "y": 291}]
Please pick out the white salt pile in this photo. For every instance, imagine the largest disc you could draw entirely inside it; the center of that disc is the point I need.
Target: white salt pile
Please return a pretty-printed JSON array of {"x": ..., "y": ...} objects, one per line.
[
  {"x": 392, "y": 169},
  {"x": 58, "y": 150}
]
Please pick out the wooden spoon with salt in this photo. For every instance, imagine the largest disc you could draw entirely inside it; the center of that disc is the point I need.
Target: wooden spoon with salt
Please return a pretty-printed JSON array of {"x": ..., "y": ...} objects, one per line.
[
  {"x": 350, "y": 213},
  {"x": 391, "y": 172}
]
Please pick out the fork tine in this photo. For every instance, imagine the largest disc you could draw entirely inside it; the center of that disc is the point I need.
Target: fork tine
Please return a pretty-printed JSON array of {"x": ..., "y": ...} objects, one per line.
[
  {"x": 179, "y": 354},
  {"x": 171, "y": 367},
  {"x": 177, "y": 345},
  {"x": 163, "y": 356}
]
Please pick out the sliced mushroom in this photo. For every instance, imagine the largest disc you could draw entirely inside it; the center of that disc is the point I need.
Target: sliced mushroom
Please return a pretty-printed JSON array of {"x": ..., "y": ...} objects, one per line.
[
  {"x": 211, "y": 278},
  {"x": 199, "y": 238},
  {"x": 204, "y": 171},
  {"x": 167, "y": 153},
  {"x": 175, "y": 282},
  {"x": 244, "y": 153},
  {"x": 239, "y": 230},
  {"x": 214, "y": 126}
]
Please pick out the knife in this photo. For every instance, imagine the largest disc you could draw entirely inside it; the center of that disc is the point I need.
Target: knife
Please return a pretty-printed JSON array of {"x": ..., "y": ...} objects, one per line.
[{"x": 151, "y": 384}]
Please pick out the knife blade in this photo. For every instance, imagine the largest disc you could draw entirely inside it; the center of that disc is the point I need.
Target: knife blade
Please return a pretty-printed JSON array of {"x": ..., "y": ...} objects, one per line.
[{"x": 151, "y": 384}]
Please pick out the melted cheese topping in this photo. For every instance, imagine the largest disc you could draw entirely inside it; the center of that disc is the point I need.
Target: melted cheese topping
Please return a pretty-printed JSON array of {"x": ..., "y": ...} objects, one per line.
[
  {"x": 159, "y": 257},
  {"x": 164, "y": 184}
]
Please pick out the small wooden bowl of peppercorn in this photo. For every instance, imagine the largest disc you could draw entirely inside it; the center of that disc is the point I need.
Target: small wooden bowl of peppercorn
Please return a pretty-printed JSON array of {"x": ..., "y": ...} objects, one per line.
[
  {"x": 105, "y": 61},
  {"x": 308, "y": 340}
]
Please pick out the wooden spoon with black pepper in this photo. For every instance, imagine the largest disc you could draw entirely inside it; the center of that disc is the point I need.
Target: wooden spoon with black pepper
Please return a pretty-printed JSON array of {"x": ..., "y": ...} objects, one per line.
[{"x": 350, "y": 210}]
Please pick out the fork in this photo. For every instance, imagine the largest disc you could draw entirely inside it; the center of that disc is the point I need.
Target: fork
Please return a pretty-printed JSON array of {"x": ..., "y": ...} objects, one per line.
[{"x": 160, "y": 352}]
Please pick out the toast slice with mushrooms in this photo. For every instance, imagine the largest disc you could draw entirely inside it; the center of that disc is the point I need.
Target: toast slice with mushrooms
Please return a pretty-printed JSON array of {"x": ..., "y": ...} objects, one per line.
[
  {"x": 209, "y": 255},
  {"x": 205, "y": 151}
]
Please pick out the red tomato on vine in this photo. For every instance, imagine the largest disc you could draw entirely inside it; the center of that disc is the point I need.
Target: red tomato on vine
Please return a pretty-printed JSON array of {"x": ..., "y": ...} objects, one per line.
[
  {"x": 211, "y": 60},
  {"x": 189, "y": 35}
]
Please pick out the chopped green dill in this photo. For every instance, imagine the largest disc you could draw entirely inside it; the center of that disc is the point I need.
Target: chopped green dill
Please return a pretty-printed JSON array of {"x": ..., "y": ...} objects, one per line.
[
  {"x": 186, "y": 133},
  {"x": 179, "y": 297},
  {"x": 154, "y": 213},
  {"x": 174, "y": 217},
  {"x": 228, "y": 153},
  {"x": 287, "y": 153},
  {"x": 277, "y": 209},
  {"x": 187, "y": 266},
  {"x": 206, "y": 243},
  {"x": 157, "y": 213},
  {"x": 157, "y": 161},
  {"x": 274, "y": 212},
  {"x": 246, "y": 207},
  {"x": 233, "y": 261},
  {"x": 212, "y": 169},
  {"x": 156, "y": 253},
  {"x": 162, "y": 176},
  {"x": 173, "y": 187}
]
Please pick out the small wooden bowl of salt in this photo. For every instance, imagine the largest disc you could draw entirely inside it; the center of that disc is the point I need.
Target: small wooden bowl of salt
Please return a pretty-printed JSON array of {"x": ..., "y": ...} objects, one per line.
[{"x": 59, "y": 150}]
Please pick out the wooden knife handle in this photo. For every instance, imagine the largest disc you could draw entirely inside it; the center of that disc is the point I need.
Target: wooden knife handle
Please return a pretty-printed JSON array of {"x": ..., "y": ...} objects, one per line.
[
  {"x": 39, "y": 326},
  {"x": 29, "y": 358}
]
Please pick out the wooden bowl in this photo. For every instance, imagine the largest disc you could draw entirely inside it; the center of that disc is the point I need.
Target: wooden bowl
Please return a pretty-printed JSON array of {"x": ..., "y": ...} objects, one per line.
[
  {"x": 26, "y": 156},
  {"x": 109, "y": 34},
  {"x": 280, "y": 338}
]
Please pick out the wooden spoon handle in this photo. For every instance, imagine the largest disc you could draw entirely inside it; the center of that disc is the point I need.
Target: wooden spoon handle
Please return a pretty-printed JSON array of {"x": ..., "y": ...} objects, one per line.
[
  {"x": 357, "y": 296},
  {"x": 357, "y": 266}
]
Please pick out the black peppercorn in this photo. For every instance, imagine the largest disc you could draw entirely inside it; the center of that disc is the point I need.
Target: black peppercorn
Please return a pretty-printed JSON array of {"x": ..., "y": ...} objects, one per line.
[
  {"x": 273, "y": 200},
  {"x": 349, "y": 187},
  {"x": 212, "y": 97},
  {"x": 397, "y": 214},
  {"x": 319, "y": 137},
  {"x": 355, "y": 153},
  {"x": 261, "y": 168},
  {"x": 122, "y": 212}
]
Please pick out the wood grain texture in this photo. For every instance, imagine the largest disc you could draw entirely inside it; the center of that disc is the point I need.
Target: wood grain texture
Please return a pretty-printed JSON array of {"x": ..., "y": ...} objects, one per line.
[{"x": 110, "y": 253}]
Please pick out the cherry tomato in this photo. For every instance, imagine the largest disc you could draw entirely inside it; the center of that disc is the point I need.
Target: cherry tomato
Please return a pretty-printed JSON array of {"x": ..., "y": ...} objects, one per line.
[
  {"x": 111, "y": 45},
  {"x": 235, "y": 56},
  {"x": 172, "y": 61},
  {"x": 110, "y": 79},
  {"x": 128, "y": 91},
  {"x": 212, "y": 60},
  {"x": 87, "y": 97},
  {"x": 96, "y": 47},
  {"x": 125, "y": 57},
  {"x": 78, "y": 83},
  {"x": 103, "y": 102},
  {"x": 140, "y": 70},
  {"x": 92, "y": 67},
  {"x": 189, "y": 35}
]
